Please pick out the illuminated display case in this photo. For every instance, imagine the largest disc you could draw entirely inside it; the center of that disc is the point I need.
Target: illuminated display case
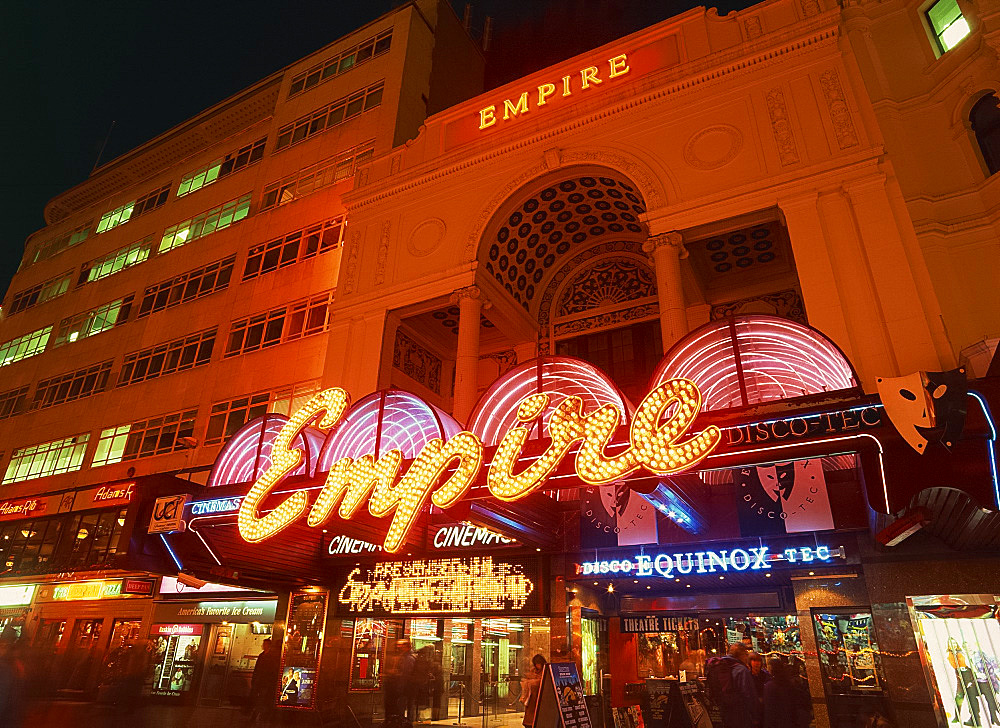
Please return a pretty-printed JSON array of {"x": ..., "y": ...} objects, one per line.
[
  {"x": 367, "y": 655},
  {"x": 303, "y": 647},
  {"x": 849, "y": 656},
  {"x": 959, "y": 639},
  {"x": 176, "y": 656}
]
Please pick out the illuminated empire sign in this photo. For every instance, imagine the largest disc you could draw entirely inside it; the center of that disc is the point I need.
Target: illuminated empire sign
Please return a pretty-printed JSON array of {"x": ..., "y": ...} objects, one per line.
[
  {"x": 669, "y": 566},
  {"x": 457, "y": 586},
  {"x": 655, "y": 444},
  {"x": 589, "y": 77}
]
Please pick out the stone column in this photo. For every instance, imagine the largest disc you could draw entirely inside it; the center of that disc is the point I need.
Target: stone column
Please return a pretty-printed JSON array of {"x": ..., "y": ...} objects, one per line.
[
  {"x": 667, "y": 250},
  {"x": 470, "y": 302}
]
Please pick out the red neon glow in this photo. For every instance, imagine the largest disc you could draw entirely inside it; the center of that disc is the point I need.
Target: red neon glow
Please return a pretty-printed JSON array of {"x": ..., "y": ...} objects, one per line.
[
  {"x": 559, "y": 377},
  {"x": 779, "y": 359},
  {"x": 247, "y": 454},
  {"x": 383, "y": 421}
]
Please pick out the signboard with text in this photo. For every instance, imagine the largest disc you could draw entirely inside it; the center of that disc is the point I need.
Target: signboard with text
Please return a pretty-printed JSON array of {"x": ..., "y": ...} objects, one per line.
[{"x": 561, "y": 701}]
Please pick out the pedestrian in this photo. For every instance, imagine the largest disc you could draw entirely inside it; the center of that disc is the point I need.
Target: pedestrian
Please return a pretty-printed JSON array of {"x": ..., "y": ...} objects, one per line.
[
  {"x": 760, "y": 677},
  {"x": 786, "y": 700},
  {"x": 400, "y": 706},
  {"x": 530, "y": 688},
  {"x": 264, "y": 681},
  {"x": 731, "y": 687},
  {"x": 12, "y": 685}
]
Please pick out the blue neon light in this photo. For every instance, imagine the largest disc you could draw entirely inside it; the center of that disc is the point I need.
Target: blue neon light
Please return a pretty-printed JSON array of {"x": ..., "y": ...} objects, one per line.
[
  {"x": 218, "y": 505},
  {"x": 668, "y": 502},
  {"x": 992, "y": 440},
  {"x": 166, "y": 544},
  {"x": 706, "y": 562}
]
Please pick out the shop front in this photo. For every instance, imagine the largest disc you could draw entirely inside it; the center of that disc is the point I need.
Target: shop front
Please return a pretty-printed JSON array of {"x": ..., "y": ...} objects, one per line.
[
  {"x": 471, "y": 623},
  {"x": 206, "y": 641}
]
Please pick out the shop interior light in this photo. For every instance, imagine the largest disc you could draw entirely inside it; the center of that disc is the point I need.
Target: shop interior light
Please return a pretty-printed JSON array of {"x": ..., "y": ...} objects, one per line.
[
  {"x": 121, "y": 520},
  {"x": 82, "y": 533},
  {"x": 461, "y": 642}
]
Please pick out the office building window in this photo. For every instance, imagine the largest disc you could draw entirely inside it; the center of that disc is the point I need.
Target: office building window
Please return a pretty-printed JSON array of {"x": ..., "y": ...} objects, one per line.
[
  {"x": 94, "y": 321},
  {"x": 329, "y": 116},
  {"x": 59, "y": 244},
  {"x": 116, "y": 260},
  {"x": 293, "y": 248},
  {"x": 187, "y": 287},
  {"x": 155, "y": 436},
  {"x": 316, "y": 177},
  {"x": 218, "y": 218},
  {"x": 285, "y": 323},
  {"x": 148, "y": 203},
  {"x": 222, "y": 167},
  {"x": 948, "y": 24},
  {"x": 183, "y": 353},
  {"x": 72, "y": 385},
  {"x": 41, "y": 293},
  {"x": 228, "y": 417},
  {"x": 116, "y": 217},
  {"x": 24, "y": 346},
  {"x": 47, "y": 458},
  {"x": 341, "y": 63},
  {"x": 13, "y": 402}
]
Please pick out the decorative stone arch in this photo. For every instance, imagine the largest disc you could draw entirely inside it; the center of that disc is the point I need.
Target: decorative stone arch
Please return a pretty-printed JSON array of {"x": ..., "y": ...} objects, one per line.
[{"x": 648, "y": 182}]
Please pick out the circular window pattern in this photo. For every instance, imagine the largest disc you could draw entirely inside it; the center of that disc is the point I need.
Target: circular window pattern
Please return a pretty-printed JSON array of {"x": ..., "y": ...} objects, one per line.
[
  {"x": 718, "y": 257},
  {"x": 765, "y": 257},
  {"x": 737, "y": 239},
  {"x": 715, "y": 244},
  {"x": 741, "y": 250},
  {"x": 532, "y": 239},
  {"x": 744, "y": 262},
  {"x": 762, "y": 245},
  {"x": 723, "y": 267}
]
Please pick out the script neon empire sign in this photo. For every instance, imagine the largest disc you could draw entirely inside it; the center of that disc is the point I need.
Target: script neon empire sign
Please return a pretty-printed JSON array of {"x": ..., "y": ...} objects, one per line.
[{"x": 660, "y": 421}]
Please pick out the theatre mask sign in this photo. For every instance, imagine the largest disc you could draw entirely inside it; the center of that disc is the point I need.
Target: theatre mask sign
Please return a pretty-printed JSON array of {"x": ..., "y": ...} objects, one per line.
[{"x": 657, "y": 443}]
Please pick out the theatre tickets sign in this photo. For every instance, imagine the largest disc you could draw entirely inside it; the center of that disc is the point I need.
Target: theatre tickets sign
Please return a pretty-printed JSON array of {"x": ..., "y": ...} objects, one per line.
[{"x": 444, "y": 470}]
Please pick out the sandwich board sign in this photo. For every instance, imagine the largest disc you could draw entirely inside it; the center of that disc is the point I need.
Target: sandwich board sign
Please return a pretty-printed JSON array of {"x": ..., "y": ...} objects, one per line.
[{"x": 561, "y": 703}]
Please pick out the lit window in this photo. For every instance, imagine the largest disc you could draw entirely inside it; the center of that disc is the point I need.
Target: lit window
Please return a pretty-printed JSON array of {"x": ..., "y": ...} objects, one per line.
[
  {"x": 217, "y": 218},
  {"x": 116, "y": 217},
  {"x": 116, "y": 261},
  {"x": 24, "y": 346},
  {"x": 221, "y": 167},
  {"x": 61, "y": 243},
  {"x": 47, "y": 458},
  {"x": 93, "y": 321},
  {"x": 947, "y": 23},
  {"x": 154, "y": 436}
]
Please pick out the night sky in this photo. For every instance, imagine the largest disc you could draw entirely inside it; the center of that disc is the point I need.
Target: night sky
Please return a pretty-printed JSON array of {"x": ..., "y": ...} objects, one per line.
[{"x": 71, "y": 68}]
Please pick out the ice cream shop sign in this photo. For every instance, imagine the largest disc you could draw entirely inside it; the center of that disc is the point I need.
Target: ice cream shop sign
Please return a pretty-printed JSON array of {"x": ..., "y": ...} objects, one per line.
[{"x": 445, "y": 468}]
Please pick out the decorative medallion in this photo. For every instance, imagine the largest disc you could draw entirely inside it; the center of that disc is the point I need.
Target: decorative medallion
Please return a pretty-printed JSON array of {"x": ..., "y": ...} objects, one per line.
[
  {"x": 426, "y": 237},
  {"x": 713, "y": 147}
]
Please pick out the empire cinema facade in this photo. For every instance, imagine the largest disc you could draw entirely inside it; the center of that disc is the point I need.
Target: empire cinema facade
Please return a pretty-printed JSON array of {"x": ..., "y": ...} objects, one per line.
[{"x": 675, "y": 344}]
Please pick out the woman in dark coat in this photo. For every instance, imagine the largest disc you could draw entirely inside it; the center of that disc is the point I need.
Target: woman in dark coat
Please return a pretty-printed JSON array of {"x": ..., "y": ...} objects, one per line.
[{"x": 786, "y": 699}]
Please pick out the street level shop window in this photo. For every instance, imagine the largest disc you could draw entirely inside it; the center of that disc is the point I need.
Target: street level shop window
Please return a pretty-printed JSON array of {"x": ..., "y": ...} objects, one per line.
[
  {"x": 947, "y": 23},
  {"x": 984, "y": 118}
]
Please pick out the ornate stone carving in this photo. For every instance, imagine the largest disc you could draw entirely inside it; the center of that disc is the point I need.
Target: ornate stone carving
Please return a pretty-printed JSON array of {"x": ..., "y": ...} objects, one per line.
[
  {"x": 781, "y": 127},
  {"x": 574, "y": 263},
  {"x": 673, "y": 241},
  {"x": 840, "y": 115},
  {"x": 416, "y": 362},
  {"x": 506, "y": 360},
  {"x": 474, "y": 292},
  {"x": 713, "y": 147},
  {"x": 353, "y": 252},
  {"x": 637, "y": 173},
  {"x": 607, "y": 283},
  {"x": 383, "y": 254},
  {"x": 810, "y": 8},
  {"x": 607, "y": 320},
  {"x": 753, "y": 29},
  {"x": 787, "y": 304},
  {"x": 426, "y": 237}
]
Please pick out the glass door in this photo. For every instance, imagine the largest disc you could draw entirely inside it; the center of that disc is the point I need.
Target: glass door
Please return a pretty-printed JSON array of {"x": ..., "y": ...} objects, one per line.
[{"x": 220, "y": 641}]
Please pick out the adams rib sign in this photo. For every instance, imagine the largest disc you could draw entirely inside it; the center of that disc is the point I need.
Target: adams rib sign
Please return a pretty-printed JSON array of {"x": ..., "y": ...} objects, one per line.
[{"x": 655, "y": 444}]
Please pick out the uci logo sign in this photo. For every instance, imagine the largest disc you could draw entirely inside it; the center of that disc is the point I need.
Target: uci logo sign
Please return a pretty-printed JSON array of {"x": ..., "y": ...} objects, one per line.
[{"x": 168, "y": 514}]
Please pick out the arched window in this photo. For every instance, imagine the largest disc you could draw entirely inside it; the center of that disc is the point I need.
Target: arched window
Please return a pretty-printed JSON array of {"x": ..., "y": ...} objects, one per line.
[{"x": 985, "y": 120}]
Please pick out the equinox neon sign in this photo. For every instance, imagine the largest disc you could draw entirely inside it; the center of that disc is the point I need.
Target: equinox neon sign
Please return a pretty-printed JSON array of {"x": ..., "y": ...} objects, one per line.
[
  {"x": 705, "y": 562},
  {"x": 655, "y": 443}
]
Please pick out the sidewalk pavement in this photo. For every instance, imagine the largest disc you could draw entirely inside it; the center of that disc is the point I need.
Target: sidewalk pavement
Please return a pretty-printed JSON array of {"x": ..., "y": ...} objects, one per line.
[{"x": 72, "y": 714}]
